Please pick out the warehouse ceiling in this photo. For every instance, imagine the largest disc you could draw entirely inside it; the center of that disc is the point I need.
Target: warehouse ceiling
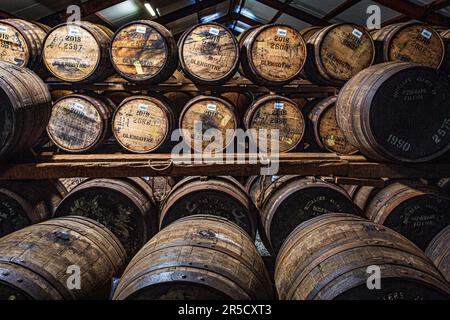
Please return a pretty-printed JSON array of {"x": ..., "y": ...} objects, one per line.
[{"x": 239, "y": 15}]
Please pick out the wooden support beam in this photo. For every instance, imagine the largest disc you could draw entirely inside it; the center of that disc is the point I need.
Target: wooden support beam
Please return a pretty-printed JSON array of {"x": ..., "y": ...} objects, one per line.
[
  {"x": 186, "y": 11},
  {"x": 87, "y": 8},
  {"x": 340, "y": 9},
  {"x": 6, "y": 15},
  {"x": 239, "y": 17},
  {"x": 416, "y": 12},
  {"x": 280, "y": 12},
  {"x": 296, "y": 13}
]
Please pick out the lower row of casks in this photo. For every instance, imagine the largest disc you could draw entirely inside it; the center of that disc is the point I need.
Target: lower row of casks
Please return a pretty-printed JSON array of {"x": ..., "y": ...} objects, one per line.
[{"x": 181, "y": 194}]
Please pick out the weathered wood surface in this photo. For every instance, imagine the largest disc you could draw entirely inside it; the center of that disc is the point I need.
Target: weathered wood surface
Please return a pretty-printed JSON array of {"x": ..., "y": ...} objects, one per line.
[
  {"x": 21, "y": 43},
  {"x": 275, "y": 113},
  {"x": 439, "y": 252},
  {"x": 205, "y": 115},
  {"x": 125, "y": 206},
  {"x": 52, "y": 166},
  {"x": 410, "y": 42},
  {"x": 144, "y": 51},
  {"x": 209, "y": 54},
  {"x": 397, "y": 112},
  {"x": 35, "y": 260},
  {"x": 198, "y": 257},
  {"x": 80, "y": 123},
  {"x": 327, "y": 258},
  {"x": 25, "y": 108},
  {"x": 78, "y": 52},
  {"x": 142, "y": 123},
  {"x": 327, "y": 133},
  {"x": 273, "y": 55},
  {"x": 337, "y": 53}
]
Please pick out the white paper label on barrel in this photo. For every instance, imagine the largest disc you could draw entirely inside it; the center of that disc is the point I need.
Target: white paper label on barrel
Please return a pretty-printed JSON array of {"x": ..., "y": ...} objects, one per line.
[
  {"x": 143, "y": 107},
  {"x": 357, "y": 33},
  {"x": 279, "y": 105},
  {"x": 214, "y": 31},
  {"x": 282, "y": 32},
  {"x": 138, "y": 66},
  {"x": 426, "y": 34},
  {"x": 141, "y": 29},
  {"x": 211, "y": 107},
  {"x": 3, "y": 29},
  {"x": 78, "y": 107},
  {"x": 74, "y": 31}
]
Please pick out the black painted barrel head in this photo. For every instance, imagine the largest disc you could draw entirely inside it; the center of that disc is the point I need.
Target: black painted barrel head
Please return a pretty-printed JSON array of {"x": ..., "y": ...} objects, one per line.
[
  {"x": 410, "y": 114},
  {"x": 303, "y": 205},
  {"x": 420, "y": 218},
  {"x": 112, "y": 209},
  {"x": 209, "y": 202},
  {"x": 12, "y": 215}
]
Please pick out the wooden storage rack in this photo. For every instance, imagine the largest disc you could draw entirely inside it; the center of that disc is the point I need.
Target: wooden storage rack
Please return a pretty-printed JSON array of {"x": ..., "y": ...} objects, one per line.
[{"x": 344, "y": 169}]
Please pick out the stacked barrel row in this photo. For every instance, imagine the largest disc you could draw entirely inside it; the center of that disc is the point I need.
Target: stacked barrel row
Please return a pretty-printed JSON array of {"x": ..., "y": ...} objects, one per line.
[
  {"x": 196, "y": 239},
  {"x": 209, "y": 53}
]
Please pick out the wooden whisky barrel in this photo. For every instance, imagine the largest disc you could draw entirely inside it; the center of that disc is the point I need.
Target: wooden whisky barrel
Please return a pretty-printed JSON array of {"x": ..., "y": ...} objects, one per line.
[
  {"x": 80, "y": 123},
  {"x": 291, "y": 200},
  {"x": 125, "y": 206},
  {"x": 328, "y": 258},
  {"x": 207, "y": 115},
  {"x": 256, "y": 186},
  {"x": 143, "y": 124},
  {"x": 178, "y": 99},
  {"x": 241, "y": 101},
  {"x": 218, "y": 196},
  {"x": 196, "y": 258},
  {"x": 208, "y": 53},
  {"x": 144, "y": 51},
  {"x": 25, "y": 108},
  {"x": 21, "y": 43},
  {"x": 274, "y": 112},
  {"x": 363, "y": 195},
  {"x": 37, "y": 262},
  {"x": 409, "y": 42},
  {"x": 417, "y": 212},
  {"x": 439, "y": 252},
  {"x": 396, "y": 112},
  {"x": 23, "y": 203},
  {"x": 327, "y": 133},
  {"x": 337, "y": 53},
  {"x": 273, "y": 55},
  {"x": 78, "y": 52},
  {"x": 446, "y": 38}
]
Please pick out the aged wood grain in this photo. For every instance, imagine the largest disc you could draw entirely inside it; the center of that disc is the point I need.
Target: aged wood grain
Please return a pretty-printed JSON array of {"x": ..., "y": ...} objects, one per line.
[
  {"x": 439, "y": 252},
  {"x": 209, "y": 54}
]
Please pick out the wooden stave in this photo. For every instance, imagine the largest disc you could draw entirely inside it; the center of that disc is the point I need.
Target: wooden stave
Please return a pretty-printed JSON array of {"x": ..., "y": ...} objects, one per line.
[
  {"x": 136, "y": 191},
  {"x": 385, "y": 202},
  {"x": 260, "y": 102},
  {"x": 199, "y": 98},
  {"x": 103, "y": 68},
  {"x": 394, "y": 251},
  {"x": 164, "y": 104},
  {"x": 314, "y": 69},
  {"x": 308, "y": 32},
  {"x": 384, "y": 36},
  {"x": 247, "y": 66},
  {"x": 221, "y": 184},
  {"x": 183, "y": 236},
  {"x": 107, "y": 255},
  {"x": 105, "y": 109},
  {"x": 446, "y": 38},
  {"x": 315, "y": 117},
  {"x": 241, "y": 38},
  {"x": 439, "y": 252},
  {"x": 30, "y": 107},
  {"x": 280, "y": 190},
  {"x": 37, "y": 199},
  {"x": 357, "y": 132},
  {"x": 196, "y": 79},
  {"x": 171, "y": 61},
  {"x": 33, "y": 41}
]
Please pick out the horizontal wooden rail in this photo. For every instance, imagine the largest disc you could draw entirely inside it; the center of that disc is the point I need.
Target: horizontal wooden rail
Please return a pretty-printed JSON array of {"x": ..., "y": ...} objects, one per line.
[{"x": 51, "y": 166}]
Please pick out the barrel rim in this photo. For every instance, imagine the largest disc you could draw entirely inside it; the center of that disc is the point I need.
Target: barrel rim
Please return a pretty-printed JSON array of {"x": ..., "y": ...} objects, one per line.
[
  {"x": 151, "y": 24},
  {"x": 195, "y": 78},
  {"x": 27, "y": 40}
]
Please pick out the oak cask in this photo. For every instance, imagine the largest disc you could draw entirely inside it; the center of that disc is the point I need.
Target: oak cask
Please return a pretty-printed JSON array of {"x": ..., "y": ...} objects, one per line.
[{"x": 439, "y": 252}]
